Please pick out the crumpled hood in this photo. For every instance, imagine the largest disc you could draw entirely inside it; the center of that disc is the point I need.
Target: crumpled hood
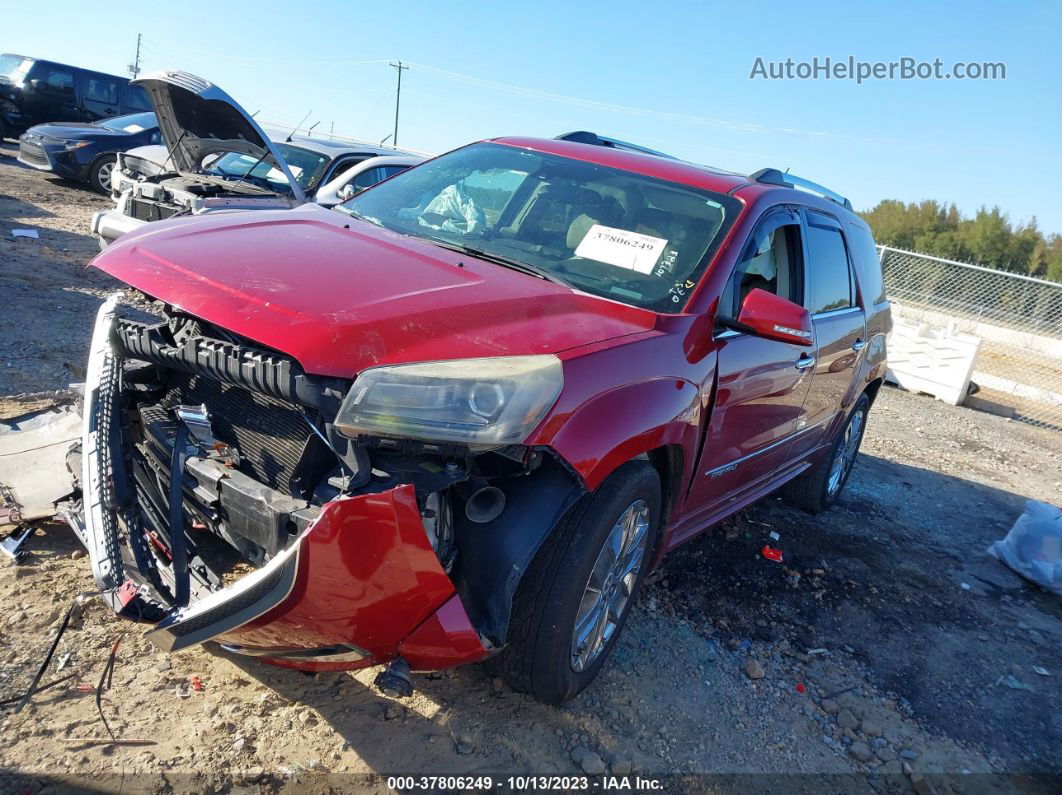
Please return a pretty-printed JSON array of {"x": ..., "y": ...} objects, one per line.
[
  {"x": 340, "y": 295},
  {"x": 197, "y": 119}
]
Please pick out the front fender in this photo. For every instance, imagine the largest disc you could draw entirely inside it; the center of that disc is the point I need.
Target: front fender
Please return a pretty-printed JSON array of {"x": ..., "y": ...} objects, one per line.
[{"x": 625, "y": 422}]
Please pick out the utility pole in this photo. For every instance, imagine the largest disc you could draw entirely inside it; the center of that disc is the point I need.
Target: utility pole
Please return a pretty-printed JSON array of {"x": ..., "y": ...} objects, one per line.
[
  {"x": 134, "y": 67},
  {"x": 398, "y": 98}
]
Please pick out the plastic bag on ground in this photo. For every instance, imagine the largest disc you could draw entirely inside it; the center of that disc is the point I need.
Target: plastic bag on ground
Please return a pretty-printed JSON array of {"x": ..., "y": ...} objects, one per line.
[{"x": 1033, "y": 547}]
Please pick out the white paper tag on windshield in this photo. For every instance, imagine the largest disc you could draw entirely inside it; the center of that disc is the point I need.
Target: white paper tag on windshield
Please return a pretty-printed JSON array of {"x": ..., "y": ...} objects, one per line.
[{"x": 621, "y": 248}]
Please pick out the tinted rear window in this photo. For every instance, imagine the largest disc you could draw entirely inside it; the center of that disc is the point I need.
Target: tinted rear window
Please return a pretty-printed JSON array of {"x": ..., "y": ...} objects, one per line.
[
  {"x": 136, "y": 98},
  {"x": 868, "y": 265}
]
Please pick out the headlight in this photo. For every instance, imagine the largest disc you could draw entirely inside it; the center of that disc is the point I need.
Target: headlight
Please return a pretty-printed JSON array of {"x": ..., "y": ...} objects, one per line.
[
  {"x": 75, "y": 144},
  {"x": 479, "y": 402}
]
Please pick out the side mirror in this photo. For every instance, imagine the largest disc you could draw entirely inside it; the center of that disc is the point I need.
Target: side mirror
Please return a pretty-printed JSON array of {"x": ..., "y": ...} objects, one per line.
[
  {"x": 34, "y": 84},
  {"x": 775, "y": 318},
  {"x": 348, "y": 191}
]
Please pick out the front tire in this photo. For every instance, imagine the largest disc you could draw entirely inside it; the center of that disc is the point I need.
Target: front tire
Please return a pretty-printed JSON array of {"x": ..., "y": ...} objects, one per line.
[
  {"x": 100, "y": 174},
  {"x": 819, "y": 487},
  {"x": 574, "y": 599}
]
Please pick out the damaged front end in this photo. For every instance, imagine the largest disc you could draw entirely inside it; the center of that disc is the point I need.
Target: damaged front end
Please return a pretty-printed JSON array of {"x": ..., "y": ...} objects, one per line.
[{"x": 226, "y": 499}]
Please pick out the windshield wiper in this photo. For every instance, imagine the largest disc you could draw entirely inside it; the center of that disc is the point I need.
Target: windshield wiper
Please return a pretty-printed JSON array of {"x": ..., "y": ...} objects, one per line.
[
  {"x": 357, "y": 215},
  {"x": 497, "y": 259}
]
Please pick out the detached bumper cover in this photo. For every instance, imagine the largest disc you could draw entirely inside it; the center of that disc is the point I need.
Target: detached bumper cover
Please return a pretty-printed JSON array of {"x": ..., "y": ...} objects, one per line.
[{"x": 360, "y": 584}]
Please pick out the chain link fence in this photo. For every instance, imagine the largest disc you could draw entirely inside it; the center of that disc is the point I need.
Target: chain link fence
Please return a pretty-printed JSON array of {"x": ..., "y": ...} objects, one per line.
[{"x": 1018, "y": 319}]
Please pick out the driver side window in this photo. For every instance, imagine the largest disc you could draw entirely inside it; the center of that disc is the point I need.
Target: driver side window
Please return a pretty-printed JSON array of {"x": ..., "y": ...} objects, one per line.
[{"x": 772, "y": 260}]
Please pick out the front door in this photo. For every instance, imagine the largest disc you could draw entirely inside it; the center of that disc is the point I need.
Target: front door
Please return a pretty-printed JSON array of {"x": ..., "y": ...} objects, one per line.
[
  {"x": 50, "y": 94},
  {"x": 762, "y": 384}
]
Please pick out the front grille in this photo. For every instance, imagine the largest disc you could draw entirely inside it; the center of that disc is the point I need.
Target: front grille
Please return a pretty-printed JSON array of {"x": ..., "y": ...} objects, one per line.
[
  {"x": 148, "y": 211},
  {"x": 269, "y": 434},
  {"x": 32, "y": 153}
]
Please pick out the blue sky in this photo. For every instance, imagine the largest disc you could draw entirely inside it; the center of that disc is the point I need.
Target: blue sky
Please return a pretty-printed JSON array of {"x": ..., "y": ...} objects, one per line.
[{"x": 673, "y": 76}]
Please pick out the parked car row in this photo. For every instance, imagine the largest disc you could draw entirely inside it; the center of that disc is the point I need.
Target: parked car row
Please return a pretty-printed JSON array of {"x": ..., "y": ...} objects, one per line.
[
  {"x": 217, "y": 158},
  {"x": 206, "y": 156},
  {"x": 33, "y": 91},
  {"x": 464, "y": 413}
]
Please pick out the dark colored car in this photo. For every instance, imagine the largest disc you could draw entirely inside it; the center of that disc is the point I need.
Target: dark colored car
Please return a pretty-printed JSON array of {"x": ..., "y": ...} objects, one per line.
[
  {"x": 465, "y": 414},
  {"x": 86, "y": 152},
  {"x": 33, "y": 91}
]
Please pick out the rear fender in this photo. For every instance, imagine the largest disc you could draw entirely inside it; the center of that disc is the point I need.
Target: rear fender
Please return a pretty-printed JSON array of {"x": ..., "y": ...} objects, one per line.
[{"x": 871, "y": 368}]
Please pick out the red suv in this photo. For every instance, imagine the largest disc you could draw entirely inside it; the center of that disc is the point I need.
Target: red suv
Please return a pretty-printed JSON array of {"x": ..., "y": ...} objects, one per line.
[{"x": 465, "y": 414}]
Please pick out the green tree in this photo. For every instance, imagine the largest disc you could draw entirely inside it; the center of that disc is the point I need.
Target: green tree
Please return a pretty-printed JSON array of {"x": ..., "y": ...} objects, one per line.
[{"x": 988, "y": 238}]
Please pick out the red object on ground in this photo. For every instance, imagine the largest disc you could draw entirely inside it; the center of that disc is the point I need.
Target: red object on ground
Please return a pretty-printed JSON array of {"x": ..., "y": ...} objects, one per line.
[
  {"x": 800, "y": 687},
  {"x": 197, "y": 684},
  {"x": 771, "y": 553}
]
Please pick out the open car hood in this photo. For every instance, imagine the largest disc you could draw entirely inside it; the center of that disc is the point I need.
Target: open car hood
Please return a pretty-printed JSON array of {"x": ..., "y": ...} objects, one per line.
[{"x": 198, "y": 119}]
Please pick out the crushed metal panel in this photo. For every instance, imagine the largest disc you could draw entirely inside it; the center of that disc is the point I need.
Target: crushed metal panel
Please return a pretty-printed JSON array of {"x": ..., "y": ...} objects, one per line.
[{"x": 33, "y": 471}]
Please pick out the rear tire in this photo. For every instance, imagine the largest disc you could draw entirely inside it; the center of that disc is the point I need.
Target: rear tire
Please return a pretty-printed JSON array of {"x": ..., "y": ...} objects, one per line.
[
  {"x": 100, "y": 174},
  {"x": 819, "y": 487},
  {"x": 565, "y": 582}
]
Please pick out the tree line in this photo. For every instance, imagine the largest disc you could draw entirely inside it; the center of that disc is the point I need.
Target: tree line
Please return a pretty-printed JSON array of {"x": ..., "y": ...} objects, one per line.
[{"x": 988, "y": 238}]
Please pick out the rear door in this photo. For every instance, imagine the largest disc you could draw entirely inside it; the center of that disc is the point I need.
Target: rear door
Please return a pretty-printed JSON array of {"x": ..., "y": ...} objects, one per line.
[
  {"x": 839, "y": 322},
  {"x": 99, "y": 96},
  {"x": 762, "y": 384}
]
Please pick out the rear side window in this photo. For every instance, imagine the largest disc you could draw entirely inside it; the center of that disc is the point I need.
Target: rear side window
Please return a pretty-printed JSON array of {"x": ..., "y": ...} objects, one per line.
[
  {"x": 828, "y": 272},
  {"x": 136, "y": 99},
  {"x": 98, "y": 89},
  {"x": 865, "y": 252}
]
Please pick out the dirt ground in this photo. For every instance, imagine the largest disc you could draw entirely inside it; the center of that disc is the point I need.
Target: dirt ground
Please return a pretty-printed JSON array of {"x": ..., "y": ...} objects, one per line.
[{"x": 885, "y": 638}]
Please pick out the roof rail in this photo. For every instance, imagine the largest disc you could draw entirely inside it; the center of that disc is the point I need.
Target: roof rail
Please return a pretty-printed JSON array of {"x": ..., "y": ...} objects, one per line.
[
  {"x": 772, "y": 176},
  {"x": 585, "y": 137}
]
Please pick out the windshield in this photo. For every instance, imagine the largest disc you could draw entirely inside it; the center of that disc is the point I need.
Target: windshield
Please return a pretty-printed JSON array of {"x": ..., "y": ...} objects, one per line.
[
  {"x": 635, "y": 239},
  {"x": 14, "y": 67},
  {"x": 133, "y": 123},
  {"x": 306, "y": 167}
]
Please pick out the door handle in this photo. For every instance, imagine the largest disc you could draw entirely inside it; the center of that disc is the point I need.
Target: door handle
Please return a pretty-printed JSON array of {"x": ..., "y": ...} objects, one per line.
[
  {"x": 804, "y": 362},
  {"x": 858, "y": 345}
]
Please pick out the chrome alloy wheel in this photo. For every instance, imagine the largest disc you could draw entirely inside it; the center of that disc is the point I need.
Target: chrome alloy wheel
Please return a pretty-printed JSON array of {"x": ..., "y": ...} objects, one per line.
[
  {"x": 846, "y": 453},
  {"x": 610, "y": 585}
]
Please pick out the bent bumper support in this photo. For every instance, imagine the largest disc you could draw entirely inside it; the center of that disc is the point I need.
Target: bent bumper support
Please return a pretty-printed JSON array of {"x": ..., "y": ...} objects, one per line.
[
  {"x": 109, "y": 225},
  {"x": 359, "y": 584}
]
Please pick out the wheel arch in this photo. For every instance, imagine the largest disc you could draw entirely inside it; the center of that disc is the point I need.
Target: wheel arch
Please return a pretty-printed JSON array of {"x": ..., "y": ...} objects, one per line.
[
  {"x": 94, "y": 164},
  {"x": 873, "y": 388},
  {"x": 669, "y": 463}
]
